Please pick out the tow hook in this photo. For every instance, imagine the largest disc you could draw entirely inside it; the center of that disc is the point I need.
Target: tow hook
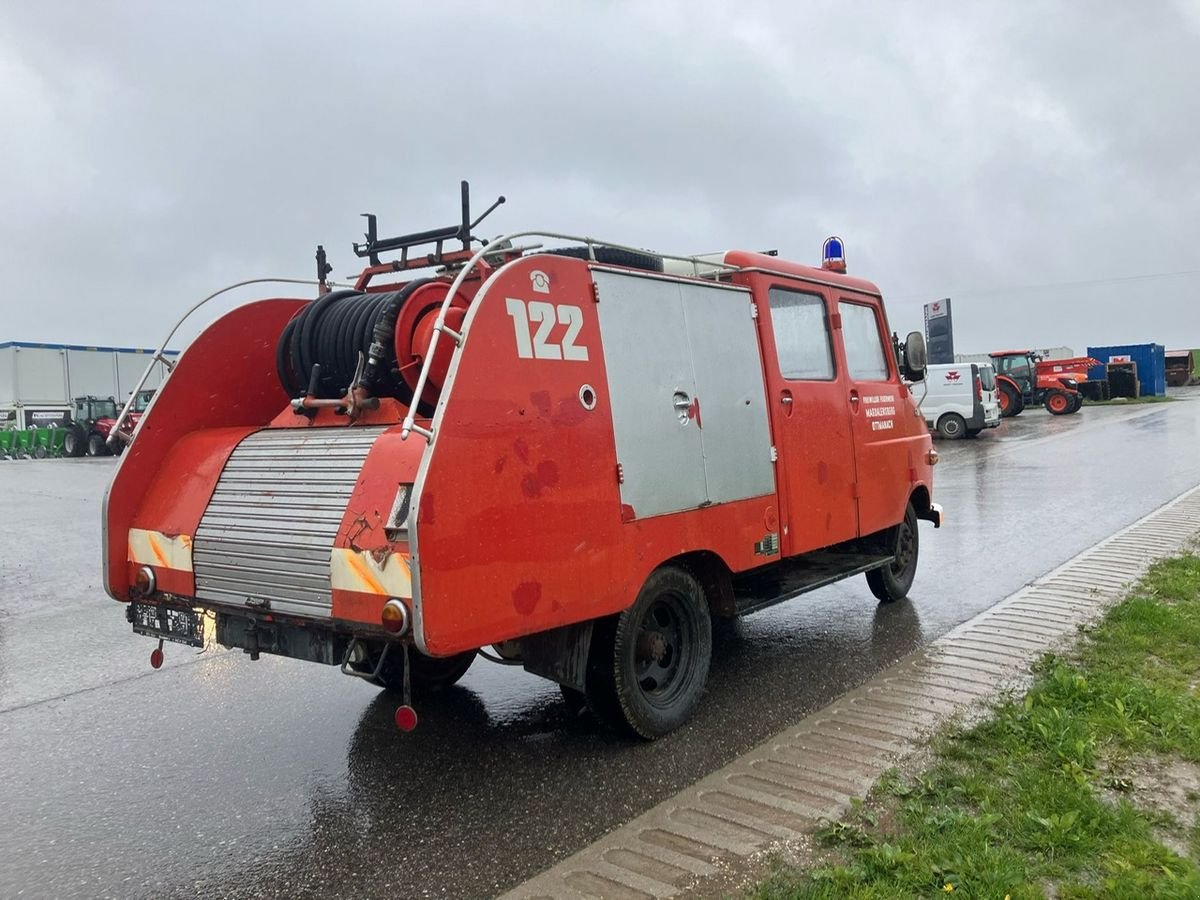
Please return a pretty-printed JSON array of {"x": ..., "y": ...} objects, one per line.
[
  {"x": 156, "y": 656},
  {"x": 406, "y": 716}
]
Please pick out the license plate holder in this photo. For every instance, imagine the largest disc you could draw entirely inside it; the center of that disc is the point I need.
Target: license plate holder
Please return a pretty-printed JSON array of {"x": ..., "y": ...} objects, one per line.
[{"x": 171, "y": 623}]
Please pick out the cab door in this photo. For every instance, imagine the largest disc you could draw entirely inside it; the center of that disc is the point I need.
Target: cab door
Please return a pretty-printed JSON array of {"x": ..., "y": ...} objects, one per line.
[
  {"x": 807, "y": 397},
  {"x": 884, "y": 441}
]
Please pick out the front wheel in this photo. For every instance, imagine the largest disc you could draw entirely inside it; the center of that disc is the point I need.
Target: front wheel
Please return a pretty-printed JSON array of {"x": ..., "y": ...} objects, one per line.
[
  {"x": 95, "y": 446},
  {"x": 892, "y": 582},
  {"x": 648, "y": 665},
  {"x": 1058, "y": 403}
]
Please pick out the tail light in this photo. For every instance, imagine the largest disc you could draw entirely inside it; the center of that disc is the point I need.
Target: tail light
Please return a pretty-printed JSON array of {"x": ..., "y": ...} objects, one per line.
[
  {"x": 144, "y": 582},
  {"x": 978, "y": 388},
  {"x": 395, "y": 616}
]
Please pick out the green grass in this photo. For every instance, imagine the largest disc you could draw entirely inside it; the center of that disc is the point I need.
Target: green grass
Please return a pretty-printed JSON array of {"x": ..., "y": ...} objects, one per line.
[{"x": 1033, "y": 801}]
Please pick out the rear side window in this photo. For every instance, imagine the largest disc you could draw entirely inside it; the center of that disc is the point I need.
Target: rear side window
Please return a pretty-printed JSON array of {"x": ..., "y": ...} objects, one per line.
[
  {"x": 801, "y": 335},
  {"x": 864, "y": 344},
  {"x": 987, "y": 378}
]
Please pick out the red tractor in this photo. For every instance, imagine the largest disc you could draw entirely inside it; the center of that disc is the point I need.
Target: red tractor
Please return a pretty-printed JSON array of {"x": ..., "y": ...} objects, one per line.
[
  {"x": 1023, "y": 378},
  {"x": 91, "y": 422}
]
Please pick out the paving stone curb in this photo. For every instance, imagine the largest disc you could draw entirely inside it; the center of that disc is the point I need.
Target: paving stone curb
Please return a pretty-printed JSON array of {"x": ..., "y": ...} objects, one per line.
[{"x": 786, "y": 786}]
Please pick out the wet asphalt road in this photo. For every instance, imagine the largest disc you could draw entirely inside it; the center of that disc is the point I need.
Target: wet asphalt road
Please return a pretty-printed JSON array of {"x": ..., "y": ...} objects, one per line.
[{"x": 216, "y": 776}]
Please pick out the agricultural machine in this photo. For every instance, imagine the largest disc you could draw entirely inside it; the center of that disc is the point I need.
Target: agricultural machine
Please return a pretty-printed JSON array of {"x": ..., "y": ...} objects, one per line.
[
  {"x": 1024, "y": 379},
  {"x": 92, "y": 420}
]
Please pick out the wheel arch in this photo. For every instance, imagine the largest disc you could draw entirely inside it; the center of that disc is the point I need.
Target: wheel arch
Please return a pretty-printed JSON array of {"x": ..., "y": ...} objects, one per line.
[
  {"x": 922, "y": 503},
  {"x": 714, "y": 575}
]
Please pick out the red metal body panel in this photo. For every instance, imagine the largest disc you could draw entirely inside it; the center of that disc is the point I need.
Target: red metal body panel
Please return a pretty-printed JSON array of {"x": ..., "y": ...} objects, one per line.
[
  {"x": 226, "y": 378},
  {"x": 520, "y": 522},
  {"x": 810, "y": 421},
  {"x": 889, "y": 435},
  {"x": 391, "y": 463}
]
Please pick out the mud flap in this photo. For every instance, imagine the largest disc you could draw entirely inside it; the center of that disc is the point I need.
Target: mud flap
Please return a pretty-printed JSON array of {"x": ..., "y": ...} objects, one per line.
[{"x": 560, "y": 654}]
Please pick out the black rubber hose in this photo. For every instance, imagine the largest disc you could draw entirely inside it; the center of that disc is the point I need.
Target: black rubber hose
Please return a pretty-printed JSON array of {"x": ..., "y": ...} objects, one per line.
[
  {"x": 332, "y": 331},
  {"x": 383, "y": 337}
]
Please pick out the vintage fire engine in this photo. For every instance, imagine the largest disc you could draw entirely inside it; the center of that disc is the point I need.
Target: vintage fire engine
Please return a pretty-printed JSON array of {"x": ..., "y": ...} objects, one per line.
[{"x": 568, "y": 459}]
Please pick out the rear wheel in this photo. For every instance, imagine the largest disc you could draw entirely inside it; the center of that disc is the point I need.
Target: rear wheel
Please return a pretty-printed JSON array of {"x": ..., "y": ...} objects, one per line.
[
  {"x": 951, "y": 426},
  {"x": 1058, "y": 403},
  {"x": 75, "y": 443},
  {"x": 425, "y": 672},
  {"x": 891, "y": 582},
  {"x": 648, "y": 665},
  {"x": 1010, "y": 401}
]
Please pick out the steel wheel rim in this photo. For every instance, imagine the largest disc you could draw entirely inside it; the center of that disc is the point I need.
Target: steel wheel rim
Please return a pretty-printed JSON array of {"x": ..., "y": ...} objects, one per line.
[{"x": 663, "y": 650}]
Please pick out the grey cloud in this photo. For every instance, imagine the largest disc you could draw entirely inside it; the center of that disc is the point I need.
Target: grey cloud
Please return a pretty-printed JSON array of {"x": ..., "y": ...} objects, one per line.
[{"x": 156, "y": 151}]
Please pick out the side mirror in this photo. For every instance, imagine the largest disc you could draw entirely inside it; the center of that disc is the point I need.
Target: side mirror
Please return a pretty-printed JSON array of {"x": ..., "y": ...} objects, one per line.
[{"x": 916, "y": 357}]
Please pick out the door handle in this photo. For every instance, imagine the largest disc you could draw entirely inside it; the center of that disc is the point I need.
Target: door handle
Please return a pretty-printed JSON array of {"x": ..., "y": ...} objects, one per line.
[
  {"x": 683, "y": 406},
  {"x": 854, "y": 400},
  {"x": 787, "y": 402}
]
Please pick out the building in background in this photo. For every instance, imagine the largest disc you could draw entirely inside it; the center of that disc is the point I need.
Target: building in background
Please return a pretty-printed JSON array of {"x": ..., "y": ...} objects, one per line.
[
  {"x": 1145, "y": 363},
  {"x": 39, "y": 381}
]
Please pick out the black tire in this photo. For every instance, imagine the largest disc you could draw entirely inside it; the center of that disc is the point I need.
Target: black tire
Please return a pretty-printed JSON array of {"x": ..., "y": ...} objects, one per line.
[
  {"x": 614, "y": 257},
  {"x": 1077, "y": 405},
  {"x": 1058, "y": 403},
  {"x": 96, "y": 446},
  {"x": 892, "y": 582},
  {"x": 1013, "y": 404},
  {"x": 425, "y": 672},
  {"x": 952, "y": 426},
  {"x": 118, "y": 447},
  {"x": 75, "y": 443},
  {"x": 648, "y": 665}
]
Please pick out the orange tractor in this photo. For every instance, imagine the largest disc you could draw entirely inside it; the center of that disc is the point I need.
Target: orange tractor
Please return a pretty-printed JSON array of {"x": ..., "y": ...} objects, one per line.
[{"x": 1023, "y": 378}]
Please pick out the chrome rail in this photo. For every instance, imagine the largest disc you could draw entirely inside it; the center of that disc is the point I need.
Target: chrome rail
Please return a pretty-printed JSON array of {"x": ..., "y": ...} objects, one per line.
[
  {"x": 439, "y": 326},
  {"x": 159, "y": 354}
]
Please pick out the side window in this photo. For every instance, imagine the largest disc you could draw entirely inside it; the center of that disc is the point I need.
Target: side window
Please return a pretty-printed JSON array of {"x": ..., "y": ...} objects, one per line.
[
  {"x": 864, "y": 344},
  {"x": 801, "y": 335}
]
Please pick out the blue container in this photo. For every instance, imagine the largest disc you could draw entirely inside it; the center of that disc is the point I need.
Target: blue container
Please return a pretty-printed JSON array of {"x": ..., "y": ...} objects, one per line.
[{"x": 1151, "y": 360}]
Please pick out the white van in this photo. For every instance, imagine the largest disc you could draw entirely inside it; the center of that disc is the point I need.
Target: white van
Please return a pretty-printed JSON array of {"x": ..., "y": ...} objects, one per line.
[{"x": 961, "y": 399}]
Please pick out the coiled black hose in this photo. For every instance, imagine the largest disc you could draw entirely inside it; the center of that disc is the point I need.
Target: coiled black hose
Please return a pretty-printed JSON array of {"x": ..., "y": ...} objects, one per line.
[{"x": 331, "y": 331}]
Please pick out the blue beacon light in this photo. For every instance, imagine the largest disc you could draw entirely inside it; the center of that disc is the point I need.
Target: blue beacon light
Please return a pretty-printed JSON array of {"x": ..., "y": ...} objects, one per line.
[{"x": 833, "y": 254}]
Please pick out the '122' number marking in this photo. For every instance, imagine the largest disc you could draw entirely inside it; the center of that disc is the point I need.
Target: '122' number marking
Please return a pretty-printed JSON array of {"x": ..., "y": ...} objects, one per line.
[{"x": 537, "y": 344}]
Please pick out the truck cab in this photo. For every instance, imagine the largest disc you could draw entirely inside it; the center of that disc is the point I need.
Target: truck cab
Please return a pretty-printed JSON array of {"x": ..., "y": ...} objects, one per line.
[{"x": 578, "y": 458}]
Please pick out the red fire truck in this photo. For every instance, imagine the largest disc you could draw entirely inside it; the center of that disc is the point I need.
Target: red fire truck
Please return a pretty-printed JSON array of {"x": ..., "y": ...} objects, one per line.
[{"x": 571, "y": 460}]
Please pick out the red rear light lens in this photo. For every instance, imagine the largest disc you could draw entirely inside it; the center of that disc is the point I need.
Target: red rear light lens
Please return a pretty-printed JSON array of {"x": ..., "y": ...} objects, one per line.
[
  {"x": 394, "y": 616},
  {"x": 144, "y": 582}
]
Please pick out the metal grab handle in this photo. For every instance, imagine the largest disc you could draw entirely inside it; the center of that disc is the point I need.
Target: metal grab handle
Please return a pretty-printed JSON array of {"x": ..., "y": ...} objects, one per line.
[{"x": 159, "y": 356}]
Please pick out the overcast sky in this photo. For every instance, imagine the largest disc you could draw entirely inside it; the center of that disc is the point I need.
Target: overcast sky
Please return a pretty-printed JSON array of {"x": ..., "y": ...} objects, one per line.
[{"x": 152, "y": 152}]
